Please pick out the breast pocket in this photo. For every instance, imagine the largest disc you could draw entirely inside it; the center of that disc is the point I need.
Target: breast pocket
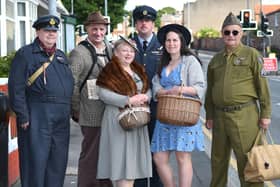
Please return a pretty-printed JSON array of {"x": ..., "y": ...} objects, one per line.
[{"x": 240, "y": 71}]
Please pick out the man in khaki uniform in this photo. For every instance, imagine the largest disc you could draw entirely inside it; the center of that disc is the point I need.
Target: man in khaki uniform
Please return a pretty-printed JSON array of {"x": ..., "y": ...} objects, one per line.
[{"x": 235, "y": 86}]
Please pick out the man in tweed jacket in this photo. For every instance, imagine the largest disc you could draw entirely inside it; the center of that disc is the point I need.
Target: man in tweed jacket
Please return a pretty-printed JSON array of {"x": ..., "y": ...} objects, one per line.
[{"x": 87, "y": 109}]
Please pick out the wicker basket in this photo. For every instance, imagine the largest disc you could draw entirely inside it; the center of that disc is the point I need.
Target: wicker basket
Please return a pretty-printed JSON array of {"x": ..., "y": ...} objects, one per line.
[{"x": 178, "y": 110}]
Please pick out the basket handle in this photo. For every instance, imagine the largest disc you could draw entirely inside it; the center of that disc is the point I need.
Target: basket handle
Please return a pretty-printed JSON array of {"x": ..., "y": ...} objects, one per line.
[{"x": 181, "y": 88}]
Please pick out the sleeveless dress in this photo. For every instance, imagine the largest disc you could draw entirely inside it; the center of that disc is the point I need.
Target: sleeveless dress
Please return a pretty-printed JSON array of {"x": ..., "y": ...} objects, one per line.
[{"x": 168, "y": 137}]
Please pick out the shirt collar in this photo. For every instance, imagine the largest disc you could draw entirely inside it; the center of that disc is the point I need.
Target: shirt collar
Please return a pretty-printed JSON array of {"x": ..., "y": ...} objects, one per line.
[
  {"x": 235, "y": 51},
  {"x": 101, "y": 49},
  {"x": 148, "y": 39}
]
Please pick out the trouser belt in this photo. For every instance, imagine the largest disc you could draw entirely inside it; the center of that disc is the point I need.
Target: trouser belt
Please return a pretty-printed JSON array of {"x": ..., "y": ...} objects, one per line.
[{"x": 235, "y": 107}]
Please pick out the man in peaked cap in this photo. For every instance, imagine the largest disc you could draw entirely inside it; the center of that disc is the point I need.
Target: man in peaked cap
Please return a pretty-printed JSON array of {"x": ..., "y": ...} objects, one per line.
[
  {"x": 235, "y": 86},
  {"x": 48, "y": 22},
  {"x": 144, "y": 12},
  {"x": 149, "y": 55},
  {"x": 86, "y": 61},
  {"x": 40, "y": 91}
]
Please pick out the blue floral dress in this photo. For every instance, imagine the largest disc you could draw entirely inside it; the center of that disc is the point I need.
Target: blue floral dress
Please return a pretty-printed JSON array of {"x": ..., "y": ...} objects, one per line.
[{"x": 168, "y": 137}]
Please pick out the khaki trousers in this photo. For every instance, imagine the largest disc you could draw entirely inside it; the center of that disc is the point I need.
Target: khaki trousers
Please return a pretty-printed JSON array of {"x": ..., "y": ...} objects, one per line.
[{"x": 235, "y": 130}]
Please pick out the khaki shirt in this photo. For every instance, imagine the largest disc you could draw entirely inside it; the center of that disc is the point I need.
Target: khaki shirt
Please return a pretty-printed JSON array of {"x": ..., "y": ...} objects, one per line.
[{"x": 236, "y": 78}]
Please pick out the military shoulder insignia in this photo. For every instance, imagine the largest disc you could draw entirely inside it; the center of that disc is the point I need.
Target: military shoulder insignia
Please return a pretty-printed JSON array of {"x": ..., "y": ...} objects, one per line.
[{"x": 52, "y": 21}]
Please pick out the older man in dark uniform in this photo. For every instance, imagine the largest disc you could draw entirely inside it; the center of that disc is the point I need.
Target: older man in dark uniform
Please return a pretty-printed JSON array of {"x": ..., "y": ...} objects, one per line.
[
  {"x": 237, "y": 102},
  {"x": 40, "y": 90},
  {"x": 149, "y": 56}
]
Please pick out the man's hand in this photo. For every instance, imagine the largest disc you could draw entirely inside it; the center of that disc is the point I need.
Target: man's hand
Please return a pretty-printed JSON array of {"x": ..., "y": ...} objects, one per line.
[
  {"x": 264, "y": 123},
  {"x": 24, "y": 126},
  {"x": 75, "y": 116}
]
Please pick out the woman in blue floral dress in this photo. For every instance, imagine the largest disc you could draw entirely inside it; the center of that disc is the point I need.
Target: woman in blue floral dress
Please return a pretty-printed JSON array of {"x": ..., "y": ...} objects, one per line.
[{"x": 178, "y": 66}]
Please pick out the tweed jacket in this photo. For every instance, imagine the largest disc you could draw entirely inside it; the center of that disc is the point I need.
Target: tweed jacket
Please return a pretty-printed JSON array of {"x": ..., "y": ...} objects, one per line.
[{"x": 91, "y": 111}]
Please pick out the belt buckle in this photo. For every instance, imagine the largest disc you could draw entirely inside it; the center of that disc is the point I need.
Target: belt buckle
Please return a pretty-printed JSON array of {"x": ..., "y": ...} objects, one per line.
[
  {"x": 239, "y": 107},
  {"x": 225, "y": 109}
]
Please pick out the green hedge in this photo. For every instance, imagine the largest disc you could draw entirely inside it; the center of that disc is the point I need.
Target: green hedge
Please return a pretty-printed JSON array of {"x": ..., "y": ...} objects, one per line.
[
  {"x": 5, "y": 64},
  {"x": 207, "y": 33}
]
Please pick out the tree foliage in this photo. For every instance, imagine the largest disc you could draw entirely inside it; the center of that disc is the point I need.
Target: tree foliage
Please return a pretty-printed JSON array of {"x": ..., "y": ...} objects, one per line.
[
  {"x": 165, "y": 10},
  {"x": 82, "y": 8},
  {"x": 5, "y": 64}
]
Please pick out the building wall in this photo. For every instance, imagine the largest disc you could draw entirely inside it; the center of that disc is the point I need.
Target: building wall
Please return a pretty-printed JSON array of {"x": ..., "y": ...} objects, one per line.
[
  {"x": 274, "y": 24},
  {"x": 169, "y": 19},
  {"x": 16, "y": 19},
  {"x": 211, "y": 13}
]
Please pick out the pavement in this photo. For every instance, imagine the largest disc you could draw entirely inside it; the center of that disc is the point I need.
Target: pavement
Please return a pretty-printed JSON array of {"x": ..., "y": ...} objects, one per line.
[{"x": 201, "y": 163}]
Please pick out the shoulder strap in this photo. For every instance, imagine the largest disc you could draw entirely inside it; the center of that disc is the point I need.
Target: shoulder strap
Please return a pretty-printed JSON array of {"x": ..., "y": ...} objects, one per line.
[
  {"x": 39, "y": 71},
  {"x": 108, "y": 50},
  {"x": 94, "y": 60}
]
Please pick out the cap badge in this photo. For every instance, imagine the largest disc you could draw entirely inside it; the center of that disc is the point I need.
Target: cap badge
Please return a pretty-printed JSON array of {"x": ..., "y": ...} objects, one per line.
[
  {"x": 145, "y": 12},
  {"x": 52, "y": 21}
]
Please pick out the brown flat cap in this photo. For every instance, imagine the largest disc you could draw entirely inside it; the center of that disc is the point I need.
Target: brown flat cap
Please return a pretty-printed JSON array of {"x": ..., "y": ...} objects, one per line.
[
  {"x": 96, "y": 18},
  {"x": 231, "y": 19}
]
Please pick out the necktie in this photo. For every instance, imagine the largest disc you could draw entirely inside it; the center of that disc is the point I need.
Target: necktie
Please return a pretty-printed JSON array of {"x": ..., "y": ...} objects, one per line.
[{"x": 145, "y": 45}]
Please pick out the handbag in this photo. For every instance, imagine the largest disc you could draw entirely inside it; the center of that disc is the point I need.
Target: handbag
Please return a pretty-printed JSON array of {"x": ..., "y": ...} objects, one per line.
[
  {"x": 134, "y": 117},
  {"x": 263, "y": 160}
]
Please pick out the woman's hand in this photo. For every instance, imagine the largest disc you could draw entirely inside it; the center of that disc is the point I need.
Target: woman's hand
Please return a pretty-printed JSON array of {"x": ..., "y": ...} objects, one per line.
[
  {"x": 138, "y": 99},
  {"x": 209, "y": 124},
  {"x": 175, "y": 90}
]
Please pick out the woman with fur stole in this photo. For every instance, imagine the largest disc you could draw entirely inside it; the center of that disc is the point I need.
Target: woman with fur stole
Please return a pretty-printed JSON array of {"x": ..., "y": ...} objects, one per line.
[{"x": 123, "y": 155}]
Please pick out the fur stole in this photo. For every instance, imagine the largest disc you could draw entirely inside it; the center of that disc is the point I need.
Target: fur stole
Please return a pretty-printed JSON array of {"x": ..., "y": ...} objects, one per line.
[{"x": 115, "y": 78}]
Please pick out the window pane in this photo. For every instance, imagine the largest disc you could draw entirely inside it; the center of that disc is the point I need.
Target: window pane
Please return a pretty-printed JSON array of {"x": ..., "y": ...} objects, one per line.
[
  {"x": 21, "y": 9},
  {"x": 22, "y": 33},
  {"x": 33, "y": 11},
  {"x": 32, "y": 32},
  {"x": 10, "y": 9},
  {"x": 10, "y": 36}
]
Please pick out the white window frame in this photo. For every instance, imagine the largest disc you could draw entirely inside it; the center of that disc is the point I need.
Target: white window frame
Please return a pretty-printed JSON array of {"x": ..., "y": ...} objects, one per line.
[
  {"x": 13, "y": 20},
  {"x": 30, "y": 16}
]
